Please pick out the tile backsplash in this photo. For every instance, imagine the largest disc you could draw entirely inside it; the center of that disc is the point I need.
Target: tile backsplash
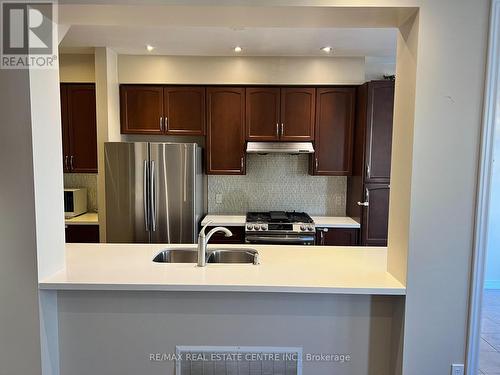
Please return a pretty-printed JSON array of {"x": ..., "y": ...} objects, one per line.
[
  {"x": 84, "y": 180},
  {"x": 277, "y": 182}
]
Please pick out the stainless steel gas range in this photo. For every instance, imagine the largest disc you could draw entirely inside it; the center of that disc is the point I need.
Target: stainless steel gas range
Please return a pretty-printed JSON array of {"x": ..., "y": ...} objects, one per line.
[{"x": 279, "y": 227}]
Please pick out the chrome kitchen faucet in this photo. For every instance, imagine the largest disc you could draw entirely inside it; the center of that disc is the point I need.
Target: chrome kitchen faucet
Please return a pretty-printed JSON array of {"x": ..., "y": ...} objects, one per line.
[{"x": 203, "y": 241}]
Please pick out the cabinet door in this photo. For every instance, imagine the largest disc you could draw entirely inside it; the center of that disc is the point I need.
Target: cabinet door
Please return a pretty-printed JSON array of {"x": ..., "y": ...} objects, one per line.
[
  {"x": 376, "y": 215},
  {"x": 337, "y": 236},
  {"x": 184, "y": 109},
  {"x": 262, "y": 113},
  {"x": 297, "y": 114},
  {"x": 65, "y": 128},
  {"x": 226, "y": 130},
  {"x": 81, "y": 116},
  {"x": 380, "y": 109},
  {"x": 82, "y": 233},
  {"x": 333, "y": 132},
  {"x": 238, "y": 236},
  {"x": 141, "y": 109}
]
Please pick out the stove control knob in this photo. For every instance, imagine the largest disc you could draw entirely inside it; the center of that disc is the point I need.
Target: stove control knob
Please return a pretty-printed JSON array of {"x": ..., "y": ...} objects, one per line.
[
  {"x": 256, "y": 227},
  {"x": 264, "y": 227},
  {"x": 249, "y": 226},
  {"x": 310, "y": 228},
  {"x": 303, "y": 227}
]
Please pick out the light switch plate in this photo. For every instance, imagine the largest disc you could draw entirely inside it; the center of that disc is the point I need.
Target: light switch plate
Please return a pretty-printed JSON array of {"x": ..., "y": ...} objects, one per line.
[
  {"x": 457, "y": 369},
  {"x": 218, "y": 198}
]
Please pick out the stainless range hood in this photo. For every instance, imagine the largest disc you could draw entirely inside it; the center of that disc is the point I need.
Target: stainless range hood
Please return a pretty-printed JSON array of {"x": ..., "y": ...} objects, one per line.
[{"x": 280, "y": 148}]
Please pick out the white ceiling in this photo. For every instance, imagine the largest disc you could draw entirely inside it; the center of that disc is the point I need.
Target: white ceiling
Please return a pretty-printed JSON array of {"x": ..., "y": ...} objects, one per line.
[{"x": 219, "y": 41}]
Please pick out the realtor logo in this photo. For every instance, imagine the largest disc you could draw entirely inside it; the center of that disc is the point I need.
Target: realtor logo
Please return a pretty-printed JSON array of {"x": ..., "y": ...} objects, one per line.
[{"x": 27, "y": 35}]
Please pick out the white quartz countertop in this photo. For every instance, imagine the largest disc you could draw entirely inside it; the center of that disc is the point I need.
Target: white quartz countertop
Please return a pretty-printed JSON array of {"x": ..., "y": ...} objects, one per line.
[
  {"x": 225, "y": 220},
  {"x": 320, "y": 221},
  {"x": 335, "y": 222},
  {"x": 89, "y": 218},
  {"x": 292, "y": 269}
]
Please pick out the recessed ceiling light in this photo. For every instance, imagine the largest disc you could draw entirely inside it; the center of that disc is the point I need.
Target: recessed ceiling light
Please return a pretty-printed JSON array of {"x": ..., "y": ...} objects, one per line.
[
  {"x": 149, "y": 47},
  {"x": 237, "y": 49},
  {"x": 327, "y": 49}
]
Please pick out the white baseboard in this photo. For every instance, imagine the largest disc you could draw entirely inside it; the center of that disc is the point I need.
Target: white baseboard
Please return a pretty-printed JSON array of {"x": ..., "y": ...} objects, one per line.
[{"x": 492, "y": 284}]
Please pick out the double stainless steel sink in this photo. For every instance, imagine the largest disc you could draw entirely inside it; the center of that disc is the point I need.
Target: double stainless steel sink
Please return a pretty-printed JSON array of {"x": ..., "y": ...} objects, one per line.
[{"x": 190, "y": 255}]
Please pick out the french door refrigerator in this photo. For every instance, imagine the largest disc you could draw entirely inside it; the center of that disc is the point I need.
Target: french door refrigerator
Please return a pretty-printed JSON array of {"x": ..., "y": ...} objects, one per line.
[{"x": 154, "y": 192}]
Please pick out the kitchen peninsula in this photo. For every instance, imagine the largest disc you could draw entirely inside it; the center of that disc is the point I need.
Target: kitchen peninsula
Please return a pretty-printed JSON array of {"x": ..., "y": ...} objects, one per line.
[
  {"x": 118, "y": 310},
  {"x": 296, "y": 269}
]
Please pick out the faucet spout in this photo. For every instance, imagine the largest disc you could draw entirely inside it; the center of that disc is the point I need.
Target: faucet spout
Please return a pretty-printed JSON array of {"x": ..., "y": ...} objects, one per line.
[{"x": 203, "y": 241}]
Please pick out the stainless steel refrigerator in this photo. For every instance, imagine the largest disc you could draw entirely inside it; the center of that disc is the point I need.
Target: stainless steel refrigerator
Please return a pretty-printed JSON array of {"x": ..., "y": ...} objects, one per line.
[{"x": 154, "y": 192}]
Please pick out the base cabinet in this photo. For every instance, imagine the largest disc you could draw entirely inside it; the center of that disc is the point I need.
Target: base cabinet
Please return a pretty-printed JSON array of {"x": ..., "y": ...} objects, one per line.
[
  {"x": 337, "y": 236},
  {"x": 238, "y": 236},
  {"x": 375, "y": 215},
  {"x": 82, "y": 233}
]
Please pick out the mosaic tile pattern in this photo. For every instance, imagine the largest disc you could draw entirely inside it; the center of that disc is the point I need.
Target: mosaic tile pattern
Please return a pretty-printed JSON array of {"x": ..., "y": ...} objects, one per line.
[
  {"x": 84, "y": 180},
  {"x": 277, "y": 182}
]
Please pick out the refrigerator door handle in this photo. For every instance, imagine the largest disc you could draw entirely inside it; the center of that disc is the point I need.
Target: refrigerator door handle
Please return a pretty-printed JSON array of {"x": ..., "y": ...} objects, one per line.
[
  {"x": 145, "y": 190},
  {"x": 152, "y": 195}
]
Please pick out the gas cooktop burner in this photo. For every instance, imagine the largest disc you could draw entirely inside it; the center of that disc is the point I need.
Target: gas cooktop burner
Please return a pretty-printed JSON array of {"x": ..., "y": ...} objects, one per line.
[{"x": 279, "y": 217}]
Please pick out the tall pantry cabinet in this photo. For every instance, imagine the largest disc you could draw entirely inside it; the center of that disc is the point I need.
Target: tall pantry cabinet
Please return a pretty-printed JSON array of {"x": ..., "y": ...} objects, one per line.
[{"x": 369, "y": 186}]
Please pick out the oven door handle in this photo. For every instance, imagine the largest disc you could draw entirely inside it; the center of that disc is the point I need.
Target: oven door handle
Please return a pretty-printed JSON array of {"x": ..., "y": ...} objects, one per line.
[{"x": 277, "y": 239}]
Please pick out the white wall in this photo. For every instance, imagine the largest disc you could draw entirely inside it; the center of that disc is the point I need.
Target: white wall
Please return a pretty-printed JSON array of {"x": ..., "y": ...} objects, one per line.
[
  {"x": 114, "y": 332},
  {"x": 48, "y": 169},
  {"x": 19, "y": 323},
  {"x": 447, "y": 126},
  {"x": 377, "y": 67},
  {"x": 240, "y": 70},
  {"x": 108, "y": 120},
  {"x": 76, "y": 68}
]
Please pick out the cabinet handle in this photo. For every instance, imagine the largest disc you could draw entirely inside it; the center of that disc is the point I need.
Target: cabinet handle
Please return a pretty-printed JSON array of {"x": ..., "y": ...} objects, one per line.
[
  {"x": 165, "y": 123},
  {"x": 242, "y": 163},
  {"x": 277, "y": 130},
  {"x": 365, "y": 204},
  {"x": 71, "y": 159},
  {"x": 161, "y": 123},
  {"x": 316, "y": 163},
  {"x": 368, "y": 170},
  {"x": 66, "y": 165},
  {"x": 282, "y": 129},
  {"x": 322, "y": 232}
]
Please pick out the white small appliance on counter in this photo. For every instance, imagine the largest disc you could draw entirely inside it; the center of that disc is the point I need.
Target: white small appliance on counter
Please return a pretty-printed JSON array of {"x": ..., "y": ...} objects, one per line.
[{"x": 75, "y": 202}]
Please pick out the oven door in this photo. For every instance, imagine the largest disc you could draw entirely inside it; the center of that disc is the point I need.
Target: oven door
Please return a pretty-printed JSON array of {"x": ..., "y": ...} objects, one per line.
[{"x": 280, "y": 239}]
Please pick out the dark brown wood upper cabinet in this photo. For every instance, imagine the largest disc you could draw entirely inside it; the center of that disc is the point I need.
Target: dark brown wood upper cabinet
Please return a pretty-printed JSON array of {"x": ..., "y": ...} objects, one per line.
[
  {"x": 333, "y": 132},
  {"x": 184, "y": 110},
  {"x": 141, "y": 109},
  {"x": 65, "y": 128},
  {"x": 379, "y": 116},
  {"x": 79, "y": 129},
  {"x": 280, "y": 114},
  {"x": 225, "y": 148},
  {"x": 262, "y": 113},
  {"x": 171, "y": 110},
  {"x": 297, "y": 114}
]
